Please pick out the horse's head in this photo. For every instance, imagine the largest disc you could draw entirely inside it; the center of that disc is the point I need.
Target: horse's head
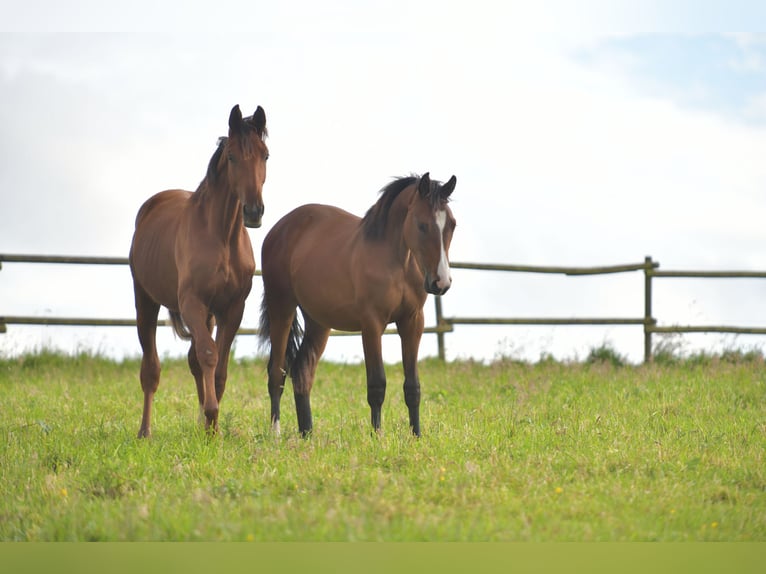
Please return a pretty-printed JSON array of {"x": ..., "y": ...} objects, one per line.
[
  {"x": 246, "y": 155},
  {"x": 428, "y": 230}
]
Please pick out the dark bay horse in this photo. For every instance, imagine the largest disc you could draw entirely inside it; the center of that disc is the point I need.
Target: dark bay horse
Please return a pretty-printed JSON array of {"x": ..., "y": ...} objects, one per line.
[
  {"x": 354, "y": 274},
  {"x": 192, "y": 254}
]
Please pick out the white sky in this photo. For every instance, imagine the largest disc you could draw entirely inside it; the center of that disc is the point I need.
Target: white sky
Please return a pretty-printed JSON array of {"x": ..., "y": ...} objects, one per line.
[{"x": 581, "y": 133}]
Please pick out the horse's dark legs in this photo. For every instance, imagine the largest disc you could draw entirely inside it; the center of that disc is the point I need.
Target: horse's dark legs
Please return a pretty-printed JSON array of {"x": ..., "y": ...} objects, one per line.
[
  {"x": 146, "y": 319},
  {"x": 376, "y": 375},
  {"x": 410, "y": 332},
  {"x": 304, "y": 371}
]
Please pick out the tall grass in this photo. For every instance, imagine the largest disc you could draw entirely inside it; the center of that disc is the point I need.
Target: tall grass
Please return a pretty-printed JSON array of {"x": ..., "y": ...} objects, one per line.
[{"x": 510, "y": 452}]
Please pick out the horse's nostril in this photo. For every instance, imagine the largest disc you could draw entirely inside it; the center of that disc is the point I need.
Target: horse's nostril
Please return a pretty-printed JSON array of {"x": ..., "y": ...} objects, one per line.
[
  {"x": 253, "y": 210},
  {"x": 432, "y": 286}
]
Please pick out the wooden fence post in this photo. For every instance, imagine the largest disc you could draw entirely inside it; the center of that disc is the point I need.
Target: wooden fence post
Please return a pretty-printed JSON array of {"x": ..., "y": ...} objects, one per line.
[
  {"x": 439, "y": 324},
  {"x": 648, "y": 320}
]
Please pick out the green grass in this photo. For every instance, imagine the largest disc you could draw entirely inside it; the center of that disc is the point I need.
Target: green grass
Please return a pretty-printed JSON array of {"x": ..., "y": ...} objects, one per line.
[{"x": 510, "y": 452}]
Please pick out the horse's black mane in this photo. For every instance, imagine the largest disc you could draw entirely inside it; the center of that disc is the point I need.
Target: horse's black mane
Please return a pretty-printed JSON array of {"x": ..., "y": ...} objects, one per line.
[
  {"x": 374, "y": 221},
  {"x": 212, "y": 166}
]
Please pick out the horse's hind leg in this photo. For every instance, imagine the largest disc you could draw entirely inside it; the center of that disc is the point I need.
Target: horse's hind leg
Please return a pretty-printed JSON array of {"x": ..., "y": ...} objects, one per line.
[
  {"x": 147, "y": 311},
  {"x": 279, "y": 334},
  {"x": 304, "y": 371}
]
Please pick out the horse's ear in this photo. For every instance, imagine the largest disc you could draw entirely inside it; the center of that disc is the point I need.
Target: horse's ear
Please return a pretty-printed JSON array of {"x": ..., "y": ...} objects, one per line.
[
  {"x": 446, "y": 190},
  {"x": 424, "y": 187},
  {"x": 259, "y": 122},
  {"x": 235, "y": 120}
]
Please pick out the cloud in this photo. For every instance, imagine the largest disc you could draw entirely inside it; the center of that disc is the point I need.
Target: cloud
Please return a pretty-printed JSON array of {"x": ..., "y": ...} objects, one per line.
[{"x": 714, "y": 72}]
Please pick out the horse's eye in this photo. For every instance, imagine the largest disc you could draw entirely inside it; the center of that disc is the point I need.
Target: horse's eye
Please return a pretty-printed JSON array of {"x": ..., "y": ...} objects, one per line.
[
  {"x": 231, "y": 157},
  {"x": 266, "y": 156},
  {"x": 423, "y": 227}
]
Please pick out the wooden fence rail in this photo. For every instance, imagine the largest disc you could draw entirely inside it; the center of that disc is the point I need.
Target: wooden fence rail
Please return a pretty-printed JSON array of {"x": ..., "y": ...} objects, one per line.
[
  {"x": 649, "y": 267},
  {"x": 99, "y": 322}
]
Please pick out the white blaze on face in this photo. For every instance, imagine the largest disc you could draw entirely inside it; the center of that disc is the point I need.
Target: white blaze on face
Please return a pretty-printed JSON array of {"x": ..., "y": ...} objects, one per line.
[{"x": 443, "y": 269}]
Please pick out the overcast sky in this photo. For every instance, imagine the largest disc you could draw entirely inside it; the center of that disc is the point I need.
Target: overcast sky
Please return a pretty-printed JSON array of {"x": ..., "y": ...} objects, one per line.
[{"x": 581, "y": 133}]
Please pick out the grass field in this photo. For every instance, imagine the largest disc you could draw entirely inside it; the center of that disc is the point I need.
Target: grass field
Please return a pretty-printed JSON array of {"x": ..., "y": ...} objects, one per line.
[{"x": 510, "y": 452}]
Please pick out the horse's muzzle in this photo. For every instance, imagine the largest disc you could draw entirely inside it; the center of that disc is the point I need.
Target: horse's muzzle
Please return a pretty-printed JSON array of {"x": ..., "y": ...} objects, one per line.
[
  {"x": 436, "y": 287},
  {"x": 252, "y": 215}
]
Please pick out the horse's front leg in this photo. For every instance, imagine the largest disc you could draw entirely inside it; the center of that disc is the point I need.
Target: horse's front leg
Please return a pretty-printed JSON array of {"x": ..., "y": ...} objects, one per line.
[
  {"x": 410, "y": 332},
  {"x": 195, "y": 316},
  {"x": 376, "y": 375},
  {"x": 196, "y": 371},
  {"x": 227, "y": 326}
]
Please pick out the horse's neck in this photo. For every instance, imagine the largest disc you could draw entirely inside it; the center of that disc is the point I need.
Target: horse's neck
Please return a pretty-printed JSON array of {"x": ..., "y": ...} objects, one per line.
[{"x": 221, "y": 209}]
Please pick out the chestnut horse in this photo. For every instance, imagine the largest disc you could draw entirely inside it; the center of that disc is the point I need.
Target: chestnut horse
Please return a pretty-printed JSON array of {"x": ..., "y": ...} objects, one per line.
[
  {"x": 354, "y": 274},
  {"x": 192, "y": 254}
]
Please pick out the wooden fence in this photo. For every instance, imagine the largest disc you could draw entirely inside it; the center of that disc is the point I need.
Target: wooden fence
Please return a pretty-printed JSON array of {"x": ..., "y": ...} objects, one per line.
[
  {"x": 650, "y": 269},
  {"x": 444, "y": 325}
]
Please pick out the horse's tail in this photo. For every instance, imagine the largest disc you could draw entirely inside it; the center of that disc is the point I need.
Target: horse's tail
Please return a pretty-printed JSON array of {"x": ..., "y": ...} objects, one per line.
[
  {"x": 264, "y": 340},
  {"x": 178, "y": 326},
  {"x": 293, "y": 340}
]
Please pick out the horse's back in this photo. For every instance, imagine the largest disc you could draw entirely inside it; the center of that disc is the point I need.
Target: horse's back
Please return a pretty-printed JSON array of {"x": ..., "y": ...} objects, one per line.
[
  {"x": 310, "y": 226},
  {"x": 162, "y": 205},
  {"x": 312, "y": 215}
]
